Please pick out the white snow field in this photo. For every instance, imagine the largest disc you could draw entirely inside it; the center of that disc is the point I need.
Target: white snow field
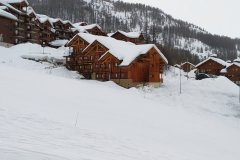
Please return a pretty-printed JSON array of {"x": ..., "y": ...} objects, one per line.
[{"x": 49, "y": 113}]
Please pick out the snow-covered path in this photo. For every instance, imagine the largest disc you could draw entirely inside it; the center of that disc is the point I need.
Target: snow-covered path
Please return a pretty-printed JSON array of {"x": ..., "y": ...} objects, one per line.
[{"x": 38, "y": 112}]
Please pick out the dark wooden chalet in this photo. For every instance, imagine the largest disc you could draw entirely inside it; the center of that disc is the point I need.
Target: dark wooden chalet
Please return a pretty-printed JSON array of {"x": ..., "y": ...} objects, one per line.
[
  {"x": 47, "y": 33},
  {"x": 134, "y": 37},
  {"x": 62, "y": 28},
  {"x": 232, "y": 72},
  {"x": 104, "y": 58},
  {"x": 93, "y": 29},
  {"x": 7, "y": 27},
  {"x": 77, "y": 44},
  {"x": 16, "y": 8},
  {"x": 33, "y": 28},
  {"x": 187, "y": 66},
  {"x": 212, "y": 66}
]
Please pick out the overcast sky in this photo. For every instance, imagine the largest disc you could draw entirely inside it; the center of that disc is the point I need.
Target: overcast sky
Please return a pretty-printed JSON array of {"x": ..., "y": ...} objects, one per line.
[{"x": 216, "y": 16}]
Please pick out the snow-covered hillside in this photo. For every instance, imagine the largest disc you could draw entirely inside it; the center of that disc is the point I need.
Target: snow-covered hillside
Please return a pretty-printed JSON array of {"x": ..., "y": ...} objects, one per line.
[{"x": 49, "y": 113}]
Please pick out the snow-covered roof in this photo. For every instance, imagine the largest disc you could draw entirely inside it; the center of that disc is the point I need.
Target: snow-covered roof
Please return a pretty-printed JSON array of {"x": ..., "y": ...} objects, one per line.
[
  {"x": 125, "y": 51},
  {"x": 59, "y": 42},
  {"x": 187, "y": 63},
  {"x": 81, "y": 23},
  {"x": 15, "y": 1},
  {"x": 219, "y": 61},
  {"x": 130, "y": 34},
  {"x": 110, "y": 34},
  {"x": 87, "y": 27},
  {"x": 10, "y": 6},
  {"x": 237, "y": 60},
  {"x": 224, "y": 70},
  {"x": 3, "y": 7},
  {"x": 7, "y": 15}
]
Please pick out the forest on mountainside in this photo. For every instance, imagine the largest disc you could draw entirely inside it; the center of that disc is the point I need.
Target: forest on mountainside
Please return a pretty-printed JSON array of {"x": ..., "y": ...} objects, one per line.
[{"x": 157, "y": 26}]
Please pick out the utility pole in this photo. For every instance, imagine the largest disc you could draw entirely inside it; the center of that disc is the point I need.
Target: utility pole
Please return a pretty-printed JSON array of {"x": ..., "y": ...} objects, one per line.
[
  {"x": 43, "y": 45},
  {"x": 76, "y": 119},
  {"x": 180, "y": 79}
]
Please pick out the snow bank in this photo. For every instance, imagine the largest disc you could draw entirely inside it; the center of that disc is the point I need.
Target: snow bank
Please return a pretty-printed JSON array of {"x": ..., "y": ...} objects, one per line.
[{"x": 49, "y": 114}]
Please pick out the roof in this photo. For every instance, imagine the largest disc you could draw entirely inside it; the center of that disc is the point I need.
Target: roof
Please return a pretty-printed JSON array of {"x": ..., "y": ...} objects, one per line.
[
  {"x": 15, "y": 1},
  {"x": 217, "y": 60},
  {"x": 129, "y": 34},
  {"x": 188, "y": 63},
  {"x": 87, "y": 37},
  {"x": 125, "y": 51},
  {"x": 7, "y": 15},
  {"x": 59, "y": 42},
  {"x": 87, "y": 27},
  {"x": 3, "y": 2},
  {"x": 3, "y": 7},
  {"x": 235, "y": 63},
  {"x": 237, "y": 60}
]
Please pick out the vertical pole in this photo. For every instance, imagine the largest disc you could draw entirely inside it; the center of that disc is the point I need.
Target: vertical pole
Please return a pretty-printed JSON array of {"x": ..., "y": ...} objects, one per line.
[
  {"x": 180, "y": 80},
  {"x": 76, "y": 120}
]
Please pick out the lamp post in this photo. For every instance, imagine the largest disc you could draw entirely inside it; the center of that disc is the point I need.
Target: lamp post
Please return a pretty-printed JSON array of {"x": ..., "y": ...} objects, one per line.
[
  {"x": 180, "y": 88},
  {"x": 43, "y": 45}
]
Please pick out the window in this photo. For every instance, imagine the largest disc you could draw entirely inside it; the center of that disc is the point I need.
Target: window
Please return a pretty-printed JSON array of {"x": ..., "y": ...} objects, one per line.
[
  {"x": 109, "y": 65},
  {"x": 68, "y": 59},
  {"x": 28, "y": 35},
  {"x": 116, "y": 75},
  {"x": 102, "y": 75},
  {"x": 16, "y": 32},
  {"x": 16, "y": 24},
  {"x": 16, "y": 41},
  {"x": 116, "y": 64},
  {"x": 85, "y": 57},
  {"x": 97, "y": 66},
  {"x": 28, "y": 27},
  {"x": 91, "y": 57}
]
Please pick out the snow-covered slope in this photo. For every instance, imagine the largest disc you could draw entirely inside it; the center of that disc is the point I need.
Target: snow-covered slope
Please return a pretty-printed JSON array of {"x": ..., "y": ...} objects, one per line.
[{"x": 48, "y": 113}]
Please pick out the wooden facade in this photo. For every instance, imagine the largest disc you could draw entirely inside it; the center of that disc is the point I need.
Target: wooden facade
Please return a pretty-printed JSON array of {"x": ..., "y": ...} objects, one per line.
[
  {"x": 210, "y": 67},
  {"x": 47, "y": 34},
  {"x": 187, "y": 67},
  {"x": 24, "y": 29},
  {"x": 96, "y": 31},
  {"x": 7, "y": 30},
  {"x": 137, "y": 40},
  {"x": 233, "y": 73},
  {"x": 95, "y": 61},
  {"x": 63, "y": 29}
]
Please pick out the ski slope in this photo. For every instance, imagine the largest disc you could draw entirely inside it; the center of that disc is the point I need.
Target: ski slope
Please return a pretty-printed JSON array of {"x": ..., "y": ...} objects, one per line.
[{"x": 49, "y": 113}]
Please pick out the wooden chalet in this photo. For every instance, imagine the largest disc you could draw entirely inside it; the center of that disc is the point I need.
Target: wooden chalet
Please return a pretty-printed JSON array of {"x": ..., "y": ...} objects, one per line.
[
  {"x": 62, "y": 28},
  {"x": 25, "y": 28},
  {"x": 232, "y": 72},
  {"x": 105, "y": 58},
  {"x": 212, "y": 66},
  {"x": 7, "y": 27},
  {"x": 16, "y": 8},
  {"x": 134, "y": 37},
  {"x": 93, "y": 29},
  {"x": 77, "y": 44},
  {"x": 187, "y": 66},
  {"x": 47, "y": 33},
  {"x": 32, "y": 27}
]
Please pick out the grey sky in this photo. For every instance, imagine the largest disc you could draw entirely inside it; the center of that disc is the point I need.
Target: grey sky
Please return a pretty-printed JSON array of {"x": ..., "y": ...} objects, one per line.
[{"x": 216, "y": 16}]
